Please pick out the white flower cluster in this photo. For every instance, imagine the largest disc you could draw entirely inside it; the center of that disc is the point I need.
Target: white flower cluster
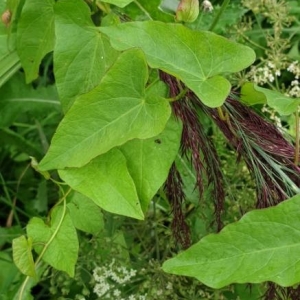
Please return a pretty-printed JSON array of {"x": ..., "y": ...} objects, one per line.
[
  {"x": 109, "y": 277},
  {"x": 262, "y": 75},
  {"x": 273, "y": 116},
  {"x": 294, "y": 68}
]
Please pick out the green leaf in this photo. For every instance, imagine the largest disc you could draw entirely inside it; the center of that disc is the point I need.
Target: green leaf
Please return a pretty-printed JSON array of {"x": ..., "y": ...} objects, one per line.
[
  {"x": 25, "y": 99},
  {"x": 9, "y": 61},
  {"x": 35, "y": 35},
  {"x": 81, "y": 55},
  {"x": 149, "y": 160},
  {"x": 263, "y": 246},
  {"x": 107, "y": 182},
  {"x": 150, "y": 8},
  {"x": 9, "y": 275},
  {"x": 85, "y": 214},
  {"x": 252, "y": 94},
  {"x": 23, "y": 256},
  {"x": 120, "y": 3},
  {"x": 116, "y": 111},
  {"x": 58, "y": 240},
  {"x": 195, "y": 57}
]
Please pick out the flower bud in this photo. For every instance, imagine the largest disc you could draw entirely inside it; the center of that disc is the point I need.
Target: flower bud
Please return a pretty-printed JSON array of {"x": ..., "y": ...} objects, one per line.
[
  {"x": 187, "y": 11},
  {"x": 6, "y": 17}
]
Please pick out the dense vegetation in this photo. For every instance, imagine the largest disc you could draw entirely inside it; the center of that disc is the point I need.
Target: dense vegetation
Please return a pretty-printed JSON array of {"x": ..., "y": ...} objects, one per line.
[{"x": 149, "y": 149}]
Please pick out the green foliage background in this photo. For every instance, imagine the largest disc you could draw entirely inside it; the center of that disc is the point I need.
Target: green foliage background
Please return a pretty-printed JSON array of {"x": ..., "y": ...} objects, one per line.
[{"x": 89, "y": 135}]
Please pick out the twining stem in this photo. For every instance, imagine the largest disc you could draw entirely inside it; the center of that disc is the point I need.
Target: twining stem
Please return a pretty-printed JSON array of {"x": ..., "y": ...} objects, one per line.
[
  {"x": 221, "y": 114},
  {"x": 13, "y": 210},
  {"x": 297, "y": 139},
  {"x": 47, "y": 244},
  {"x": 179, "y": 96},
  {"x": 221, "y": 11}
]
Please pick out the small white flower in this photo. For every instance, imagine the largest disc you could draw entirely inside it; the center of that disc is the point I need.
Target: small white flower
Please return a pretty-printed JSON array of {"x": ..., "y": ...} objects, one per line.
[
  {"x": 117, "y": 293},
  {"x": 277, "y": 73},
  {"x": 169, "y": 286},
  {"x": 207, "y": 6},
  {"x": 293, "y": 66},
  {"x": 101, "y": 288}
]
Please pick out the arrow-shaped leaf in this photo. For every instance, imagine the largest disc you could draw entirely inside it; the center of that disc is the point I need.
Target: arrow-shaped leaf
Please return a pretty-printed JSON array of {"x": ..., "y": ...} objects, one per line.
[
  {"x": 116, "y": 111},
  {"x": 252, "y": 94},
  {"x": 81, "y": 54},
  {"x": 198, "y": 58},
  {"x": 23, "y": 256},
  {"x": 263, "y": 246},
  {"x": 35, "y": 35},
  {"x": 108, "y": 183},
  {"x": 59, "y": 238},
  {"x": 149, "y": 160},
  {"x": 79, "y": 208}
]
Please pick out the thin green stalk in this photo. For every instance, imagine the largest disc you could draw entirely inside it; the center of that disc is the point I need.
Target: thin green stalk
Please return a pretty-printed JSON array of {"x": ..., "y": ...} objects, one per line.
[
  {"x": 179, "y": 96},
  {"x": 155, "y": 232},
  {"x": 47, "y": 244},
  {"x": 221, "y": 11},
  {"x": 297, "y": 139},
  {"x": 143, "y": 9}
]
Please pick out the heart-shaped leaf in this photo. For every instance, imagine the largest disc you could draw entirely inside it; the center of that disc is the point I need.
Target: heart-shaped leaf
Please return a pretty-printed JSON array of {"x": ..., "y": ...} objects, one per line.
[
  {"x": 108, "y": 183},
  {"x": 263, "y": 246},
  {"x": 59, "y": 238},
  {"x": 118, "y": 110},
  {"x": 81, "y": 54},
  {"x": 198, "y": 58},
  {"x": 149, "y": 160},
  {"x": 252, "y": 94},
  {"x": 80, "y": 207},
  {"x": 23, "y": 256},
  {"x": 35, "y": 35}
]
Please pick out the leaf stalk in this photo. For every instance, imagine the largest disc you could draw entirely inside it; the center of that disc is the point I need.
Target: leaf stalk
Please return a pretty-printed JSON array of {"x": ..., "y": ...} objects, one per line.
[{"x": 48, "y": 243}]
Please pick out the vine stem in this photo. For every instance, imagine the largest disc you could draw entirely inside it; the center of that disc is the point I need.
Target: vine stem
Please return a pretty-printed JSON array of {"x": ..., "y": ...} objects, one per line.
[
  {"x": 297, "y": 139},
  {"x": 48, "y": 243},
  {"x": 221, "y": 11},
  {"x": 179, "y": 96}
]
